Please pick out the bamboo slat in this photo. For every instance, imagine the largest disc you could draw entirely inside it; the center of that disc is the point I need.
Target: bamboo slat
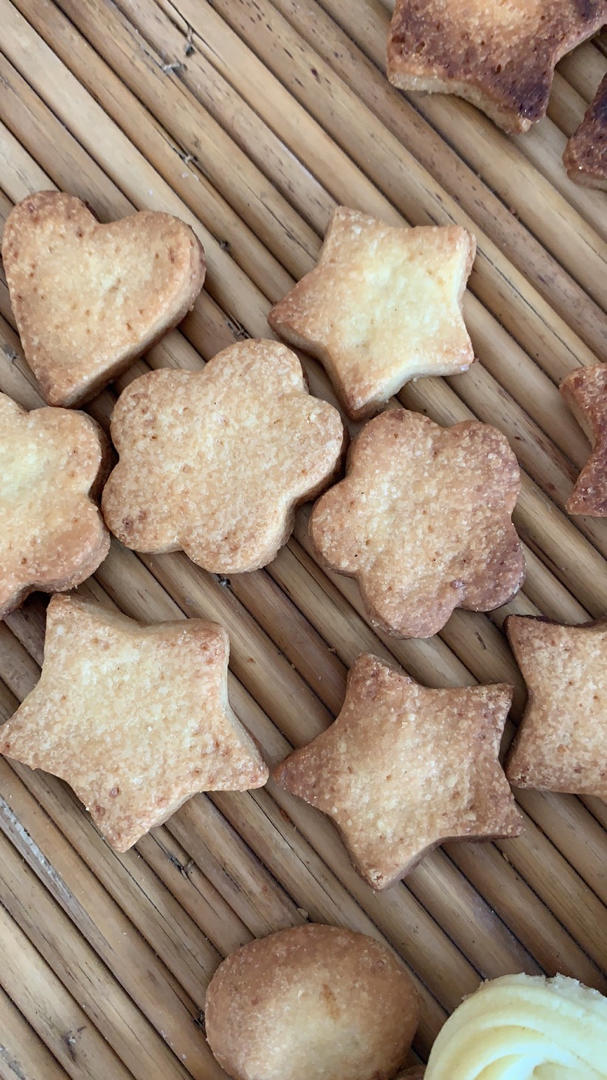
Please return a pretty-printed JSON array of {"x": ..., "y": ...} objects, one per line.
[{"x": 251, "y": 120}]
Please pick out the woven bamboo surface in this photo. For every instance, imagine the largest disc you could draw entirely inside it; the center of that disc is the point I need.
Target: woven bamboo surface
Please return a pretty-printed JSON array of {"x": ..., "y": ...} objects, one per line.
[{"x": 251, "y": 119}]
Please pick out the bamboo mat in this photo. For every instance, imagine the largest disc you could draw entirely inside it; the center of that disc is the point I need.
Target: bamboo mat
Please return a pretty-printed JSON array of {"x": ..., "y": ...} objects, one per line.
[{"x": 251, "y": 119}]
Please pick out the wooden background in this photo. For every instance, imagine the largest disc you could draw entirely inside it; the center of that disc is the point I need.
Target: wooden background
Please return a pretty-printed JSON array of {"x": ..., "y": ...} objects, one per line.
[{"x": 250, "y": 120}]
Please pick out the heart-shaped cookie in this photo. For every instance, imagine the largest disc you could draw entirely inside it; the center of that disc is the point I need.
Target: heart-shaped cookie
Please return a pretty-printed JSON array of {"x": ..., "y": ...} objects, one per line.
[{"x": 90, "y": 298}]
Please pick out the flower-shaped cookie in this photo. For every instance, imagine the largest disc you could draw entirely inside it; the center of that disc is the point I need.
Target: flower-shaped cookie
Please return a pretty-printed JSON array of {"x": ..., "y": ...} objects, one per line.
[
  {"x": 585, "y": 392},
  {"x": 422, "y": 521},
  {"x": 89, "y": 298},
  {"x": 215, "y": 462},
  {"x": 383, "y": 306},
  {"x": 135, "y": 718},
  {"x": 52, "y": 535},
  {"x": 404, "y": 768},
  {"x": 498, "y": 54}
]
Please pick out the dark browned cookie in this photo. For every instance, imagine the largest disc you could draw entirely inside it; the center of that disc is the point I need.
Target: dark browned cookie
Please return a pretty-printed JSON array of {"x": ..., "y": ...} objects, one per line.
[
  {"x": 585, "y": 155},
  {"x": 585, "y": 392},
  {"x": 561, "y": 744},
  {"x": 498, "y": 54},
  {"x": 404, "y": 768}
]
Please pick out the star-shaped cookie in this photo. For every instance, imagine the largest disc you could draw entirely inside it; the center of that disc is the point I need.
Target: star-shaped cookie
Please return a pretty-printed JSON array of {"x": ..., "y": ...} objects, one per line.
[
  {"x": 52, "y": 536},
  {"x": 585, "y": 155},
  {"x": 135, "y": 718},
  {"x": 585, "y": 391},
  {"x": 90, "y": 298},
  {"x": 422, "y": 521},
  {"x": 216, "y": 461},
  {"x": 561, "y": 744},
  {"x": 498, "y": 54},
  {"x": 404, "y": 768},
  {"x": 383, "y": 306}
]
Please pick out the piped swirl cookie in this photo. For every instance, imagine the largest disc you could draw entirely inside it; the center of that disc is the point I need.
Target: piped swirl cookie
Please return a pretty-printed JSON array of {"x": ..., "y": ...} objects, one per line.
[{"x": 498, "y": 54}]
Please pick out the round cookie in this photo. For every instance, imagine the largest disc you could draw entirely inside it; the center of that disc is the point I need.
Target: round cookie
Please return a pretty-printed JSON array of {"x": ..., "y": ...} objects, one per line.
[{"x": 311, "y": 1003}]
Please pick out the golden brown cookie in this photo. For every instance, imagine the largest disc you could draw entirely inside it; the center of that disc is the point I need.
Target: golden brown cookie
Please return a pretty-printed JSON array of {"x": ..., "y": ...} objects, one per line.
[
  {"x": 404, "y": 768},
  {"x": 311, "y": 1003},
  {"x": 585, "y": 391},
  {"x": 90, "y": 298},
  {"x": 524, "y": 1026},
  {"x": 422, "y": 521},
  {"x": 498, "y": 54},
  {"x": 561, "y": 744},
  {"x": 52, "y": 536},
  {"x": 383, "y": 306},
  {"x": 135, "y": 718},
  {"x": 216, "y": 461},
  {"x": 585, "y": 155}
]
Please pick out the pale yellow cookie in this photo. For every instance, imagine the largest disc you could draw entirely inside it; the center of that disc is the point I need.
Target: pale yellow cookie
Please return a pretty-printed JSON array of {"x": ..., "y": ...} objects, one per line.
[
  {"x": 524, "y": 1026},
  {"x": 498, "y": 54},
  {"x": 383, "y": 306},
  {"x": 52, "y": 537},
  {"x": 422, "y": 521},
  {"x": 90, "y": 298},
  {"x": 404, "y": 768},
  {"x": 216, "y": 461},
  {"x": 311, "y": 1003},
  {"x": 135, "y": 718}
]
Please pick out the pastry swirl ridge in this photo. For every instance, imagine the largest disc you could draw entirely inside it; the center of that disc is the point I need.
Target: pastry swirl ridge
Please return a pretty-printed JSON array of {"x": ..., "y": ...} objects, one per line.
[{"x": 524, "y": 1027}]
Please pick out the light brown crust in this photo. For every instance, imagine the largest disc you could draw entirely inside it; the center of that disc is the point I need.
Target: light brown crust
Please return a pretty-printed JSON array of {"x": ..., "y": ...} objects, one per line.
[
  {"x": 585, "y": 391},
  {"x": 404, "y": 768},
  {"x": 422, "y": 521},
  {"x": 90, "y": 298},
  {"x": 215, "y": 462},
  {"x": 311, "y": 1003},
  {"x": 382, "y": 306},
  {"x": 52, "y": 462},
  {"x": 135, "y": 718},
  {"x": 561, "y": 744},
  {"x": 585, "y": 155},
  {"x": 499, "y": 56}
]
